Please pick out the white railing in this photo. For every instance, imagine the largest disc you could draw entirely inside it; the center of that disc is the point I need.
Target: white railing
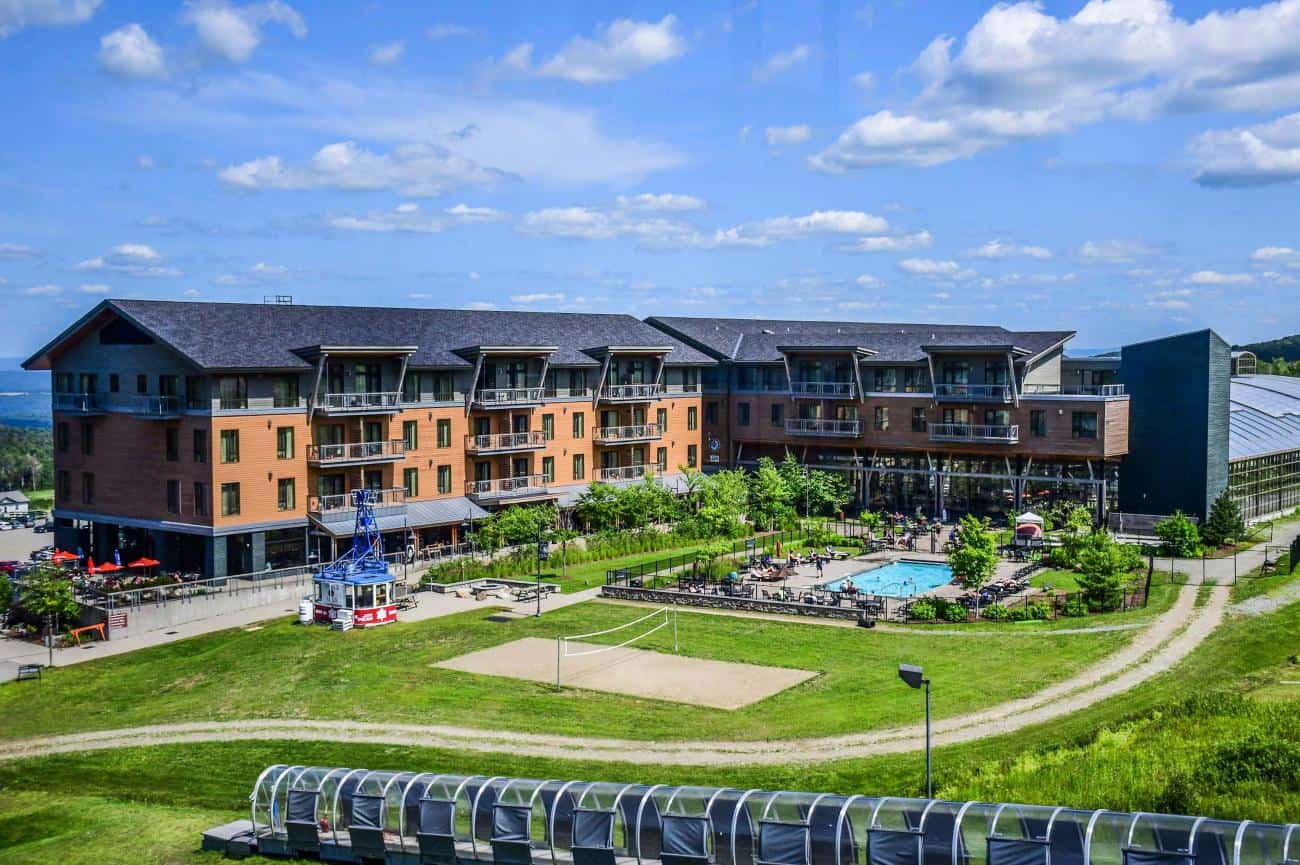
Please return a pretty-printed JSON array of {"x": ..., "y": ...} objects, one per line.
[
  {"x": 76, "y": 402},
  {"x": 966, "y": 432},
  {"x": 341, "y": 503},
  {"x": 499, "y": 487},
  {"x": 635, "y": 432},
  {"x": 823, "y": 389},
  {"x": 360, "y": 402},
  {"x": 503, "y": 396},
  {"x": 506, "y": 441},
  {"x": 356, "y": 451},
  {"x": 626, "y": 473},
  {"x": 693, "y": 387},
  {"x": 1103, "y": 390},
  {"x": 149, "y": 406},
  {"x": 632, "y": 392},
  {"x": 823, "y": 427},
  {"x": 567, "y": 392},
  {"x": 951, "y": 390}
]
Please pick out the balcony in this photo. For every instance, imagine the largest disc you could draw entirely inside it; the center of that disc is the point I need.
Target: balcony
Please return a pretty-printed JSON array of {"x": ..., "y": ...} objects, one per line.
[
  {"x": 630, "y": 392},
  {"x": 356, "y": 453},
  {"x": 78, "y": 403},
  {"x": 953, "y": 392},
  {"x": 615, "y": 435},
  {"x": 823, "y": 389},
  {"x": 503, "y": 489},
  {"x": 359, "y": 403},
  {"x": 1094, "y": 390},
  {"x": 965, "y": 432},
  {"x": 501, "y": 443},
  {"x": 626, "y": 473},
  {"x": 158, "y": 407},
  {"x": 820, "y": 427},
  {"x": 508, "y": 397},
  {"x": 339, "y": 508}
]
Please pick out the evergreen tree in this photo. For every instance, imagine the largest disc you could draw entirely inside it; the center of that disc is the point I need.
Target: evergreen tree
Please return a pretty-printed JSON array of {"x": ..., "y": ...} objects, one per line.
[{"x": 1225, "y": 522}]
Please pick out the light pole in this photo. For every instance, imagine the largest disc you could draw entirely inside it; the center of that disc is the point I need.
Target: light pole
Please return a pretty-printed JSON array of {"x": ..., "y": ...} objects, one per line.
[
  {"x": 915, "y": 678},
  {"x": 543, "y": 553}
]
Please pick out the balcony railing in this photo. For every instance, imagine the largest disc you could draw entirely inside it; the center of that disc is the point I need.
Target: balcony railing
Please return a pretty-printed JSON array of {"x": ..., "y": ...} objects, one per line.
[
  {"x": 356, "y": 452},
  {"x": 505, "y": 397},
  {"x": 974, "y": 392},
  {"x": 633, "y": 433},
  {"x": 823, "y": 389},
  {"x": 502, "y": 488},
  {"x": 339, "y": 507},
  {"x": 149, "y": 406},
  {"x": 626, "y": 473},
  {"x": 822, "y": 427},
  {"x": 966, "y": 432},
  {"x": 568, "y": 393},
  {"x": 1102, "y": 390},
  {"x": 359, "y": 403},
  {"x": 630, "y": 392},
  {"x": 504, "y": 442},
  {"x": 688, "y": 387},
  {"x": 82, "y": 403}
]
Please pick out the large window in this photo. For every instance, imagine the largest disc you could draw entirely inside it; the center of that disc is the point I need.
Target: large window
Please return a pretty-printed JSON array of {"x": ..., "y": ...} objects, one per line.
[
  {"x": 693, "y": 416},
  {"x": 284, "y": 390},
  {"x": 579, "y": 424},
  {"x": 1037, "y": 423},
  {"x": 444, "y": 432},
  {"x": 230, "y": 445},
  {"x": 200, "y": 445},
  {"x": 710, "y": 414},
  {"x": 173, "y": 497},
  {"x": 882, "y": 417},
  {"x": 87, "y": 439},
  {"x": 172, "y": 443},
  {"x": 777, "y": 414},
  {"x": 62, "y": 437},
  {"x": 579, "y": 466},
  {"x": 65, "y": 485},
  {"x": 444, "y": 480},
  {"x": 661, "y": 418},
  {"x": 1265, "y": 485},
  {"x": 742, "y": 414},
  {"x": 232, "y": 391},
  {"x": 410, "y": 435},
  {"x": 285, "y": 496},
  {"x": 200, "y": 499},
  {"x": 548, "y": 427},
  {"x": 548, "y": 470},
  {"x": 87, "y": 488},
  {"x": 283, "y": 443},
  {"x": 229, "y": 500},
  {"x": 1083, "y": 424},
  {"x": 918, "y": 419},
  {"x": 411, "y": 482},
  {"x": 692, "y": 456},
  {"x": 661, "y": 460}
]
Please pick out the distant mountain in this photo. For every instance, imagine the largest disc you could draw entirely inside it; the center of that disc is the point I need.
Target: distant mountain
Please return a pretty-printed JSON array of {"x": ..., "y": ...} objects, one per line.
[{"x": 1287, "y": 348}]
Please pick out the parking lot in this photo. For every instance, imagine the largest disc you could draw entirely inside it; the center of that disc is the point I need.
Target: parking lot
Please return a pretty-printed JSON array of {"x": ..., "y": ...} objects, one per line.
[{"x": 18, "y": 544}]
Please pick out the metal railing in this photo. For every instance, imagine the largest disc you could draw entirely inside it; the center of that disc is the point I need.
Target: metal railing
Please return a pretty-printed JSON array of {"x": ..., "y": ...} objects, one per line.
[
  {"x": 76, "y": 402},
  {"x": 823, "y": 389},
  {"x": 630, "y": 392},
  {"x": 634, "y": 432},
  {"x": 505, "y": 441},
  {"x": 232, "y": 403},
  {"x": 967, "y": 432},
  {"x": 567, "y": 392},
  {"x": 360, "y": 402},
  {"x": 1103, "y": 390},
  {"x": 823, "y": 427},
  {"x": 340, "y": 504},
  {"x": 504, "y": 487},
  {"x": 507, "y": 396},
  {"x": 189, "y": 590},
  {"x": 356, "y": 452},
  {"x": 995, "y": 392},
  {"x": 693, "y": 387},
  {"x": 148, "y": 406},
  {"x": 627, "y": 473}
]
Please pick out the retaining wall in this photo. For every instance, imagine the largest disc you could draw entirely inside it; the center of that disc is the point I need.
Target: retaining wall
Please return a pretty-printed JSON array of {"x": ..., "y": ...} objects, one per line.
[{"x": 724, "y": 602}]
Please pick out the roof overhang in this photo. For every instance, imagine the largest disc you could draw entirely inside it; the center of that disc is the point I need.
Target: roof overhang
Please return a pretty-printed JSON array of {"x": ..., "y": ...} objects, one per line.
[
  {"x": 858, "y": 350},
  {"x": 474, "y": 351},
  {"x": 976, "y": 349},
  {"x": 80, "y": 328},
  {"x": 354, "y": 350},
  {"x": 602, "y": 350}
]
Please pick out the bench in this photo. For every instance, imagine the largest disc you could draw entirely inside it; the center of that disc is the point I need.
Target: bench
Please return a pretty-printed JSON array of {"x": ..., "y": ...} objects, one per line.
[
  {"x": 530, "y": 593},
  {"x": 29, "y": 671}
]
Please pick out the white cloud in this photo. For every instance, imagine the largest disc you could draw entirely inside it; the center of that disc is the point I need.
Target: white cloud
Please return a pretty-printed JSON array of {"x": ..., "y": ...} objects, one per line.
[
  {"x": 890, "y": 243},
  {"x": 665, "y": 202},
  {"x": 866, "y": 280},
  {"x": 420, "y": 295},
  {"x": 780, "y": 62},
  {"x": 387, "y": 53},
  {"x": 932, "y": 268},
  {"x": 1251, "y": 155},
  {"x": 864, "y": 80},
  {"x": 16, "y": 15},
  {"x": 480, "y": 305},
  {"x": 1269, "y": 253},
  {"x": 411, "y": 169},
  {"x": 94, "y": 288},
  {"x": 782, "y": 135},
  {"x": 859, "y": 304},
  {"x": 1214, "y": 277},
  {"x": 1114, "y": 251},
  {"x": 233, "y": 32},
  {"x": 410, "y": 218},
  {"x": 743, "y": 132},
  {"x": 537, "y": 297},
  {"x": 446, "y": 31},
  {"x": 18, "y": 250},
  {"x": 46, "y": 290},
  {"x": 1003, "y": 249},
  {"x": 131, "y": 259},
  {"x": 129, "y": 52},
  {"x": 146, "y": 162},
  {"x": 1175, "y": 299},
  {"x": 617, "y": 50}
]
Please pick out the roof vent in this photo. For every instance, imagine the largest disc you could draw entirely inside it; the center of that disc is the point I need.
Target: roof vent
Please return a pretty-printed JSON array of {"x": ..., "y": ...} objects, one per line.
[
  {"x": 769, "y": 331},
  {"x": 278, "y": 299}
]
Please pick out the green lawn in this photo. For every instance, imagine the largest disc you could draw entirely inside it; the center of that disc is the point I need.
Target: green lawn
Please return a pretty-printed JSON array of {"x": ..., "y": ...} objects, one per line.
[
  {"x": 41, "y": 500},
  {"x": 387, "y": 674}
]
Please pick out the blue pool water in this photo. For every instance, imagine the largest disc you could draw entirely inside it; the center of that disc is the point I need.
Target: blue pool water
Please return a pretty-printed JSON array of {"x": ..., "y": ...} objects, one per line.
[{"x": 899, "y": 579}]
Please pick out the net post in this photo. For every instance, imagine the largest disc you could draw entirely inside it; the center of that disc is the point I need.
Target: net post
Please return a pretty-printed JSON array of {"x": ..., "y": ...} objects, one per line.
[
  {"x": 559, "y": 652},
  {"x": 674, "y": 611}
]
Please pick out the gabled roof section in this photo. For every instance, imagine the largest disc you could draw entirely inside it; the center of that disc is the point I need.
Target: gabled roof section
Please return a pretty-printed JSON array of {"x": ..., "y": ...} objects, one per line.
[{"x": 1264, "y": 415}]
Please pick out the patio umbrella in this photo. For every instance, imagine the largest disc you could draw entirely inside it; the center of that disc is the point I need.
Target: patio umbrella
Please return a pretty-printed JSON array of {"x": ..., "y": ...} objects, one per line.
[
  {"x": 90, "y": 566},
  {"x": 144, "y": 562},
  {"x": 63, "y": 557},
  {"x": 108, "y": 568}
]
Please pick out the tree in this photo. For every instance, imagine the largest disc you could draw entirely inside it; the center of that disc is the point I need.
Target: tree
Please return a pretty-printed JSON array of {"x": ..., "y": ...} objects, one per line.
[
  {"x": 872, "y": 520},
  {"x": 524, "y": 524},
  {"x": 1102, "y": 564},
  {"x": 47, "y": 592},
  {"x": 1225, "y": 522},
  {"x": 6, "y": 595},
  {"x": 1178, "y": 535},
  {"x": 722, "y": 498},
  {"x": 598, "y": 507},
  {"x": 975, "y": 560},
  {"x": 769, "y": 496},
  {"x": 814, "y": 491}
]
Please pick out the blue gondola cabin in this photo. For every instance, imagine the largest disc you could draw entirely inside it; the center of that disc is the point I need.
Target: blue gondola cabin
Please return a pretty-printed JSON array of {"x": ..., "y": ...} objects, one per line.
[{"x": 358, "y": 583}]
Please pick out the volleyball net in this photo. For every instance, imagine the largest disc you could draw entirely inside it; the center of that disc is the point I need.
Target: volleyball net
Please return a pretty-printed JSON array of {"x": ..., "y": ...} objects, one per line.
[{"x": 646, "y": 625}]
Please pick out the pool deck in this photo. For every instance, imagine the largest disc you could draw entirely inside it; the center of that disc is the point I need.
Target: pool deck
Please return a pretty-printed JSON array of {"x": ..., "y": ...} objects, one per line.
[{"x": 806, "y": 576}]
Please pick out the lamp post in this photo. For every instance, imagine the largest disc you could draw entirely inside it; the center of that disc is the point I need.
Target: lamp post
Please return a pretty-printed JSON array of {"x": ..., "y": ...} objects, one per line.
[
  {"x": 915, "y": 678},
  {"x": 542, "y": 555}
]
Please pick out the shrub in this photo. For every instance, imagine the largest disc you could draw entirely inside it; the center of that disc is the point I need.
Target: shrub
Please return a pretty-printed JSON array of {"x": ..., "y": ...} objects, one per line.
[
  {"x": 924, "y": 609},
  {"x": 954, "y": 613},
  {"x": 1031, "y": 612},
  {"x": 1178, "y": 535},
  {"x": 1074, "y": 608},
  {"x": 996, "y": 613}
]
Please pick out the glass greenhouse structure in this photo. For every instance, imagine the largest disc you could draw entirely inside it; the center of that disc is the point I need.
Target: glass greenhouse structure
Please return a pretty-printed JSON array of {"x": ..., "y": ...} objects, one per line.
[{"x": 424, "y": 818}]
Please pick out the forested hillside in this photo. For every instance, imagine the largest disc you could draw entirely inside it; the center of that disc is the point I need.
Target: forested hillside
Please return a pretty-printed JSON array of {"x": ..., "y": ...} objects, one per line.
[{"x": 26, "y": 458}]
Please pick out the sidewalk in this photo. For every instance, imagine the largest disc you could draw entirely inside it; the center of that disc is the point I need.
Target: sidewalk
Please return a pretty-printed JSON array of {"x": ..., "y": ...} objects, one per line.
[{"x": 1221, "y": 571}]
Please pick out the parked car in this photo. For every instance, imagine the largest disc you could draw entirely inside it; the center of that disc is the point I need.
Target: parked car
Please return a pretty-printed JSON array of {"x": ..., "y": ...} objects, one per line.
[
  {"x": 8, "y": 566},
  {"x": 41, "y": 528}
]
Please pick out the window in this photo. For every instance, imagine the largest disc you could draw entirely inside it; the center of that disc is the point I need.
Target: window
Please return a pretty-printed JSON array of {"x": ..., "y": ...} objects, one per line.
[
  {"x": 1083, "y": 424},
  {"x": 283, "y": 443},
  {"x": 742, "y": 414},
  {"x": 579, "y": 424},
  {"x": 918, "y": 419},
  {"x": 114, "y": 382},
  {"x": 444, "y": 432},
  {"x": 885, "y": 380},
  {"x": 233, "y": 392},
  {"x": 661, "y": 459},
  {"x": 548, "y": 470},
  {"x": 62, "y": 437},
  {"x": 167, "y": 385},
  {"x": 997, "y": 417},
  {"x": 661, "y": 419},
  {"x": 65, "y": 485},
  {"x": 548, "y": 427},
  {"x": 284, "y": 391},
  {"x": 710, "y": 415},
  {"x": 693, "y": 416},
  {"x": 777, "y": 414},
  {"x": 444, "y": 386},
  {"x": 87, "y": 382},
  {"x": 411, "y": 482},
  {"x": 444, "y": 479},
  {"x": 172, "y": 440},
  {"x": 87, "y": 488},
  {"x": 87, "y": 439},
  {"x": 229, "y": 500},
  {"x": 1037, "y": 423},
  {"x": 579, "y": 466},
  {"x": 882, "y": 417},
  {"x": 173, "y": 497},
  {"x": 410, "y": 435},
  {"x": 200, "y": 499},
  {"x": 142, "y": 383},
  {"x": 230, "y": 445},
  {"x": 63, "y": 382},
  {"x": 200, "y": 445},
  {"x": 692, "y": 456}
]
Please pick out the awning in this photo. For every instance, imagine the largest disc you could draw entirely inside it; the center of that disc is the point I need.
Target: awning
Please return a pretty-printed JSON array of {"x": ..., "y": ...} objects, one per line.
[
  {"x": 1029, "y": 517},
  {"x": 419, "y": 515}
]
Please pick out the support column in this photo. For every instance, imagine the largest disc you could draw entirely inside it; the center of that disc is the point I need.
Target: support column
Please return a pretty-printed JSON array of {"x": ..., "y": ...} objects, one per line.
[
  {"x": 938, "y": 493},
  {"x": 259, "y": 551},
  {"x": 216, "y": 553}
]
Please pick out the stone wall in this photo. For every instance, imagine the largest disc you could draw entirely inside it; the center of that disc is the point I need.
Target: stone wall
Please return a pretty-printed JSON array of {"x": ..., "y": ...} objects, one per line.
[{"x": 723, "y": 602}]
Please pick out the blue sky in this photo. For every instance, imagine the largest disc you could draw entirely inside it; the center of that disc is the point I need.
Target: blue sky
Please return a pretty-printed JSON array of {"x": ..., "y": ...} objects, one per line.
[{"x": 1125, "y": 168}]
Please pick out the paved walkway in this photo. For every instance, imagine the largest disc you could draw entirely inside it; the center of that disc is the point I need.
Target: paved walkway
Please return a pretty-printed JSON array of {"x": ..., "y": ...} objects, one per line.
[
  {"x": 1222, "y": 571},
  {"x": 1171, "y": 637}
]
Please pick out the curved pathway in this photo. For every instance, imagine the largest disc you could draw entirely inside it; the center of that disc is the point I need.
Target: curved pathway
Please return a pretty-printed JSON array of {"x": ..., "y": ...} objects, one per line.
[{"x": 1171, "y": 637}]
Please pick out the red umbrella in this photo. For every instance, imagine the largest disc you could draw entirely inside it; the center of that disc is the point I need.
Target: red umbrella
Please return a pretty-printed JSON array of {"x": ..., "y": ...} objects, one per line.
[
  {"x": 107, "y": 568},
  {"x": 144, "y": 562},
  {"x": 61, "y": 557}
]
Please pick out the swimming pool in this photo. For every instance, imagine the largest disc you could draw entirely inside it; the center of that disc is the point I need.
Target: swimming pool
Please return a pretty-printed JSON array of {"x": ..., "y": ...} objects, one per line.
[{"x": 898, "y": 579}]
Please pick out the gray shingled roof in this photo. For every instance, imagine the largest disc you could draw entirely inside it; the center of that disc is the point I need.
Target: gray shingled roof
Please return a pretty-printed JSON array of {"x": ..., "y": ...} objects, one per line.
[
  {"x": 1264, "y": 415},
  {"x": 757, "y": 340},
  {"x": 260, "y": 336}
]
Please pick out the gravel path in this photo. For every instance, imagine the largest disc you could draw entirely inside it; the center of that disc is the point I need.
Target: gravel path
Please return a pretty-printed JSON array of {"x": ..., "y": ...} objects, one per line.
[
  {"x": 1261, "y": 604},
  {"x": 1171, "y": 637}
]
